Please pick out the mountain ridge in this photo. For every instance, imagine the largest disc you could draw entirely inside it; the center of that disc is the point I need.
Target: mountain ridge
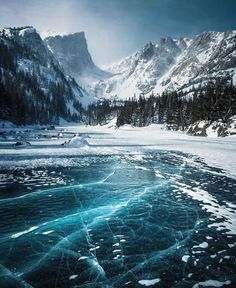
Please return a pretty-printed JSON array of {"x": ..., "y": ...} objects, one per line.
[
  {"x": 73, "y": 54},
  {"x": 57, "y": 75},
  {"x": 208, "y": 55},
  {"x": 34, "y": 88}
]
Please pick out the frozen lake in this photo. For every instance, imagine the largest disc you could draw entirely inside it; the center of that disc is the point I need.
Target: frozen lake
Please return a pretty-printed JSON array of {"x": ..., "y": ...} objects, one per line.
[{"x": 116, "y": 213}]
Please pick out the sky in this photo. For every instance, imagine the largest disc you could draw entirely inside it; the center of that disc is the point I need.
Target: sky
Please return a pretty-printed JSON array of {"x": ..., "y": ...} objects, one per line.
[{"x": 117, "y": 28}]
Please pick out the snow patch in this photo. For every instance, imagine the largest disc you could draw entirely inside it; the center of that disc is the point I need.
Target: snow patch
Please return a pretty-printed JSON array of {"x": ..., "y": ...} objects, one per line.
[
  {"x": 47, "y": 232},
  {"x": 185, "y": 258},
  {"x": 72, "y": 277},
  {"x": 234, "y": 77},
  {"x": 16, "y": 235},
  {"x": 211, "y": 205},
  {"x": 203, "y": 245},
  {"x": 149, "y": 282},
  {"x": 76, "y": 141},
  {"x": 211, "y": 283}
]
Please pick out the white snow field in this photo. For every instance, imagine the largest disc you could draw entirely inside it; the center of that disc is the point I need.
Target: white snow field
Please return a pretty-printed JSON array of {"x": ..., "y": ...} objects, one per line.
[{"x": 218, "y": 152}]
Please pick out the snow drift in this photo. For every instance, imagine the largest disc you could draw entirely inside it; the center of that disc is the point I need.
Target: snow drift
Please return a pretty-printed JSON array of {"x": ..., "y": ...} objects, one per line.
[{"x": 76, "y": 141}]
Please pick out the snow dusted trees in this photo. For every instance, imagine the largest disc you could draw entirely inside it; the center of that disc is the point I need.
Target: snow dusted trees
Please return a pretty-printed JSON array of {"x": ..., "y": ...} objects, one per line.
[
  {"x": 100, "y": 113},
  {"x": 177, "y": 109},
  {"x": 33, "y": 89}
]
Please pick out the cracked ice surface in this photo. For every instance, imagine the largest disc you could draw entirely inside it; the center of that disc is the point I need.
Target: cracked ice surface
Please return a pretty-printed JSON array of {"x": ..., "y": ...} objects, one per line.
[{"x": 153, "y": 218}]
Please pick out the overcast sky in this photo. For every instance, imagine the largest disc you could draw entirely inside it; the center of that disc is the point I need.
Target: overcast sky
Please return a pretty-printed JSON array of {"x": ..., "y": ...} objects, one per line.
[{"x": 117, "y": 28}]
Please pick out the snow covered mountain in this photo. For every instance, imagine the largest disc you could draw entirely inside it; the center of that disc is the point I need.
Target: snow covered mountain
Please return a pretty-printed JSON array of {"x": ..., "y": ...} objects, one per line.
[
  {"x": 72, "y": 53},
  {"x": 183, "y": 64},
  {"x": 33, "y": 86},
  {"x": 41, "y": 81}
]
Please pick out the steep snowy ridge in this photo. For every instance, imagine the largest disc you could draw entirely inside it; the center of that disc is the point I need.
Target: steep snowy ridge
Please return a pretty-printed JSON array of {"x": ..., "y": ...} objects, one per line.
[
  {"x": 139, "y": 73},
  {"x": 173, "y": 65},
  {"x": 38, "y": 77},
  {"x": 72, "y": 52},
  {"x": 73, "y": 55},
  {"x": 210, "y": 55}
]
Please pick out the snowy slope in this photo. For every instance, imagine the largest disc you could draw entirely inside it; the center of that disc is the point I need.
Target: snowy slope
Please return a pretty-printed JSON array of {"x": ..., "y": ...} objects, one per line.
[
  {"x": 72, "y": 53},
  {"x": 173, "y": 65},
  {"x": 182, "y": 64},
  {"x": 39, "y": 72}
]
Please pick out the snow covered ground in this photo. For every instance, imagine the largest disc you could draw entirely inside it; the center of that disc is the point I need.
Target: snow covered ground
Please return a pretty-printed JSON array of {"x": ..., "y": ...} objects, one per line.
[
  {"x": 217, "y": 152},
  {"x": 220, "y": 152}
]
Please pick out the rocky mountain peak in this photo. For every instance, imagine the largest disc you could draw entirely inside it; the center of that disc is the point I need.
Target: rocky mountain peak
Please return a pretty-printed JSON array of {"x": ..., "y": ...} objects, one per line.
[
  {"x": 169, "y": 45},
  {"x": 148, "y": 51},
  {"x": 18, "y": 31},
  {"x": 27, "y": 35},
  {"x": 72, "y": 52},
  {"x": 182, "y": 44},
  {"x": 186, "y": 64},
  {"x": 28, "y": 38}
]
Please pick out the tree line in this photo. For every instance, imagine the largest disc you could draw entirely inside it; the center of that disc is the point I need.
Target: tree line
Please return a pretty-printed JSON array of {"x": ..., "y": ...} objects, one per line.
[{"x": 216, "y": 101}]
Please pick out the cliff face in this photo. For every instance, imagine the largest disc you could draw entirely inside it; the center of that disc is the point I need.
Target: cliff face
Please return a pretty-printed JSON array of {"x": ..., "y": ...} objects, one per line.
[
  {"x": 33, "y": 87},
  {"x": 72, "y": 53}
]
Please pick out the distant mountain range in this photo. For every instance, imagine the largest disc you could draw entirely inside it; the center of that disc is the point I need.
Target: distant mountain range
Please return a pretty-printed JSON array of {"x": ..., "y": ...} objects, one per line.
[
  {"x": 183, "y": 64},
  {"x": 42, "y": 81}
]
